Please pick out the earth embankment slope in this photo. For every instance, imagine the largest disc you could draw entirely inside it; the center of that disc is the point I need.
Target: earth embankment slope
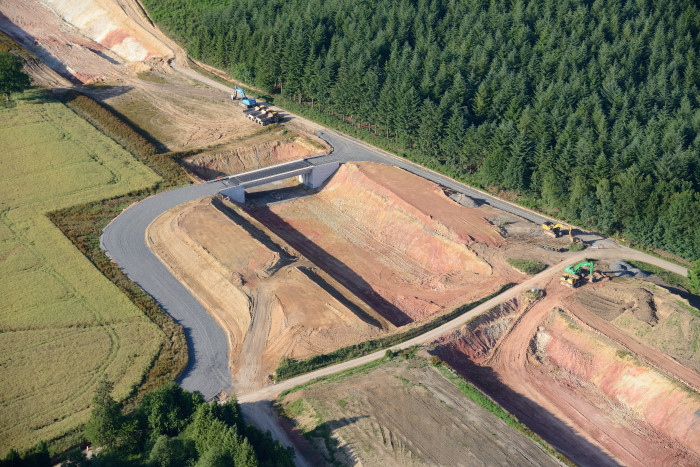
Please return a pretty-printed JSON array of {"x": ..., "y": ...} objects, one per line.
[
  {"x": 272, "y": 302},
  {"x": 394, "y": 239},
  {"x": 578, "y": 390},
  {"x": 255, "y": 152}
]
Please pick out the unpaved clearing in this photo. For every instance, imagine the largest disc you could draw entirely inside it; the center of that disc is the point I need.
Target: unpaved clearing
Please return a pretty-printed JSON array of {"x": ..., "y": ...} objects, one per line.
[
  {"x": 396, "y": 240},
  {"x": 111, "y": 45},
  {"x": 404, "y": 413},
  {"x": 582, "y": 392},
  {"x": 260, "y": 150},
  {"x": 271, "y": 301}
]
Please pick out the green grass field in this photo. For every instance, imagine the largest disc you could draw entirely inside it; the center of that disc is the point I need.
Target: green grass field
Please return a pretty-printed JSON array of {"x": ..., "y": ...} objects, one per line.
[{"x": 63, "y": 325}]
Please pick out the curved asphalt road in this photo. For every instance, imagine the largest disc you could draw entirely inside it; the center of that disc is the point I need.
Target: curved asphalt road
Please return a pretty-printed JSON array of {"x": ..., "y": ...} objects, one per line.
[{"x": 124, "y": 240}]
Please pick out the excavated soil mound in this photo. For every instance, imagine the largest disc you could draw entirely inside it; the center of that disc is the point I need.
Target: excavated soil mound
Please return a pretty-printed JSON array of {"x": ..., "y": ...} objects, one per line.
[
  {"x": 270, "y": 301},
  {"x": 464, "y": 200},
  {"x": 611, "y": 301},
  {"x": 90, "y": 40},
  {"x": 638, "y": 392},
  {"x": 483, "y": 332},
  {"x": 570, "y": 386},
  {"x": 651, "y": 315},
  {"x": 393, "y": 238}
]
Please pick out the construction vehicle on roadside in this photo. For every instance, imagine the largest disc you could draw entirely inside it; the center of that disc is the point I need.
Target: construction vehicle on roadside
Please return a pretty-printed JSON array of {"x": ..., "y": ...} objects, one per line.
[
  {"x": 571, "y": 277},
  {"x": 262, "y": 115},
  {"x": 245, "y": 102},
  {"x": 556, "y": 231},
  {"x": 267, "y": 118}
]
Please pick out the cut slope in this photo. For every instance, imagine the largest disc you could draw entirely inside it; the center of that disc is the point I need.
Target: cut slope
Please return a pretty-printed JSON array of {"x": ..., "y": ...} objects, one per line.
[
  {"x": 252, "y": 153},
  {"x": 393, "y": 238},
  {"x": 579, "y": 391},
  {"x": 106, "y": 22},
  {"x": 270, "y": 301}
]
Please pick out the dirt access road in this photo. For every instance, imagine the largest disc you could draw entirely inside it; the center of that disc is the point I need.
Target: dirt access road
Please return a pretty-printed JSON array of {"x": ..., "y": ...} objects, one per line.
[{"x": 270, "y": 392}]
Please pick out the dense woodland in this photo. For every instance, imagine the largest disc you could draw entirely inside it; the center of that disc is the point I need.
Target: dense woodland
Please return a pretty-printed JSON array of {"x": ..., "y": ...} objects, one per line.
[
  {"x": 589, "y": 109},
  {"x": 170, "y": 427}
]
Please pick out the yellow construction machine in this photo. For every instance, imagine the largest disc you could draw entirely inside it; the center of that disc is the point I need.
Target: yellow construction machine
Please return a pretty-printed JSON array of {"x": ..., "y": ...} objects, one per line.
[
  {"x": 556, "y": 231},
  {"x": 571, "y": 277}
]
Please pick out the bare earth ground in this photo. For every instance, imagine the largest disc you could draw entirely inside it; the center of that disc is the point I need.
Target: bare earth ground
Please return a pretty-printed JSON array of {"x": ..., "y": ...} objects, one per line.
[
  {"x": 658, "y": 319},
  {"x": 396, "y": 240},
  {"x": 405, "y": 413},
  {"x": 259, "y": 150},
  {"x": 579, "y": 390},
  {"x": 271, "y": 301},
  {"x": 111, "y": 45}
]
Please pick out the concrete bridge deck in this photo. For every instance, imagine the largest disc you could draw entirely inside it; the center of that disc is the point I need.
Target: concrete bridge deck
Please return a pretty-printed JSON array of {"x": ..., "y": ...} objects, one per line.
[{"x": 311, "y": 173}]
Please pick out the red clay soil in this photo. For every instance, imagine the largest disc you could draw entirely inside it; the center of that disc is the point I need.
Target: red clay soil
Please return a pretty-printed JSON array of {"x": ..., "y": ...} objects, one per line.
[
  {"x": 657, "y": 359},
  {"x": 594, "y": 405},
  {"x": 394, "y": 239}
]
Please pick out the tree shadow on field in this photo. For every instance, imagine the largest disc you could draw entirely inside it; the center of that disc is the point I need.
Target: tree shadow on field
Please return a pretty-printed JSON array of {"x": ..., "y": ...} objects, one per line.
[
  {"x": 333, "y": 266},
  {"x": 550, "y": 428},
  {"x": 323, "y": 434}
]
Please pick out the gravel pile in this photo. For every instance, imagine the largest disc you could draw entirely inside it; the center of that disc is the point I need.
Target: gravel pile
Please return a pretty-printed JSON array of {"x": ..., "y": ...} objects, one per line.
[{"x": 623, "y": 269}]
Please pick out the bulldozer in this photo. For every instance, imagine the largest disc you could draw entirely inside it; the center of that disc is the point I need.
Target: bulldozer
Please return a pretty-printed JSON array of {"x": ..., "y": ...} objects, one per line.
[
  {"x": 556, "y": 231},
  {"x": 571, "y": 277}
]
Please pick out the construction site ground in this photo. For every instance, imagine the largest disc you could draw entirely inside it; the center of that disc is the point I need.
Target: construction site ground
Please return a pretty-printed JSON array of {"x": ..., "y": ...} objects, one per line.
[
  {"x": 376, "y": 260},
  {"x": 122, "y": 60},
  {"x": 272, "y": 301},
  {"x": 400, "y": 243},
  {"x": 267, "y": 146},
  {"x": 403, "y": 412},
  {"x": 566, "y": 367}
]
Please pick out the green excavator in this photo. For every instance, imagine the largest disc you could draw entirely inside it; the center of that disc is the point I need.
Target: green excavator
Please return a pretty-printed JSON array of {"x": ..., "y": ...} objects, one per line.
[{"x": 571, "y": 277}]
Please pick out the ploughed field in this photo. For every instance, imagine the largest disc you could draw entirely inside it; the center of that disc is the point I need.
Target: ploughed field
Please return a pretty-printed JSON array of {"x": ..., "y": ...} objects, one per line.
[
  {"x": 402, "y": 412},
  {"x": 598, "y": 372},
  {"x": 395, "y": 240}
]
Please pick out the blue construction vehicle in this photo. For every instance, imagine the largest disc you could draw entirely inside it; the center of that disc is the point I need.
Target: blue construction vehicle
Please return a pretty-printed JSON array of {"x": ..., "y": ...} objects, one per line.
[{"x": 245, "y": 102}]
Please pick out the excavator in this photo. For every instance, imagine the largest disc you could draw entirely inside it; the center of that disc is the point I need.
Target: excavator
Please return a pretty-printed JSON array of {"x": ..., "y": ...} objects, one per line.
[
  {"x": 555, "y": 230},
  {"x": 571, "y": 277},
  {"x": 246, "y": 102}
]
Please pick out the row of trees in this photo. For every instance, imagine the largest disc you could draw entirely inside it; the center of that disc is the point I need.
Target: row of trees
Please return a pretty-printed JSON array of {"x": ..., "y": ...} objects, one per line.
[{"x": 590, "y": 108}]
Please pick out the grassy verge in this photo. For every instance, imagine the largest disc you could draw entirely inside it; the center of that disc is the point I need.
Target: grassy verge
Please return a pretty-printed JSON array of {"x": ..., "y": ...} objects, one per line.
[
  {"x": 289, "y": 368},
  {"x": 83, "y": 225},
  {"x": 527, "y": 266},
  {"x": 473, "y": 393},
  {"x": 669, "y": 277},
  {"x": 666, "y": 256}
]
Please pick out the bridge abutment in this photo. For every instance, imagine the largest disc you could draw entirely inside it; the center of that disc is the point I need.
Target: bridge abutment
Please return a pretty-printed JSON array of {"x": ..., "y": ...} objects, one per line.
[{"x": 313, "y": 176}]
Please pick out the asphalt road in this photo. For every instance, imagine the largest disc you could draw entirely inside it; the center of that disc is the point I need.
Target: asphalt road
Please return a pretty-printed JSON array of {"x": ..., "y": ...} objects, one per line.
[{"x": 124, "y": 240}]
